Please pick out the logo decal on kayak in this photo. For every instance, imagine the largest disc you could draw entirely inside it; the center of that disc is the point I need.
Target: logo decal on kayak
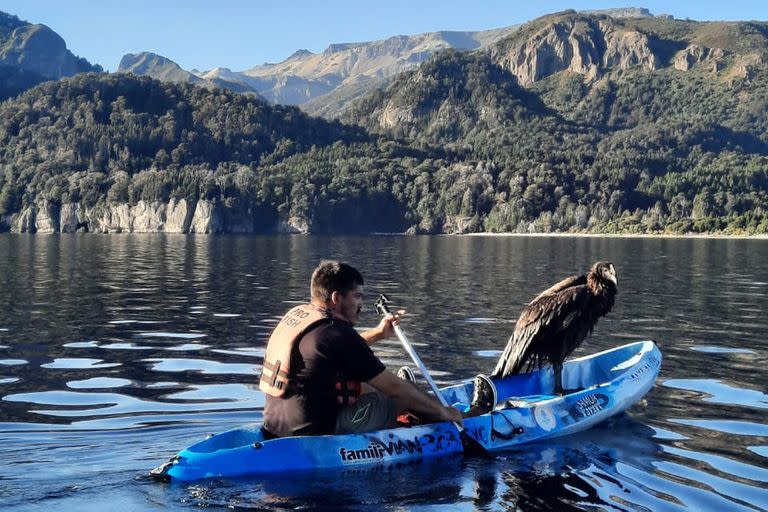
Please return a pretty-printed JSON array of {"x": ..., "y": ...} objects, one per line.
[
  {"x": 379, "y": 450},
  {"x": 652, "y": 363},
  {"x": 589, "y": 405},
  {"x": 545, "y": 418}
]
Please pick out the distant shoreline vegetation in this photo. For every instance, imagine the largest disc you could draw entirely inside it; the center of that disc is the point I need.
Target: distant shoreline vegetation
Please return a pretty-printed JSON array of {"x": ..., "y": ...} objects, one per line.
[{"x": 667, "y": 139}]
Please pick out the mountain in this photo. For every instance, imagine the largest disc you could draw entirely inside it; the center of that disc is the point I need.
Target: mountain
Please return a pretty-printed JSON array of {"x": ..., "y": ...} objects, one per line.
[
  {"x": 31, "y": 54},
  {"x": 572, "y": 123},
  {"x": 342, "y": 68},
  {"x": 155, "y": 66},
  {"x": 324, "y": 82},
  {"x": 593, "y": 45},
  {"x": 590, "y": 121},
  {"x": 583, "y": 68},
  {"x": 164, "y": 69}
]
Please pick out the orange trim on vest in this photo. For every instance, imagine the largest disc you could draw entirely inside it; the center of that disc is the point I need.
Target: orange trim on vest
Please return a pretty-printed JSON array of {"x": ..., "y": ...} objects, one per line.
[{"x": 276, "y": 369}]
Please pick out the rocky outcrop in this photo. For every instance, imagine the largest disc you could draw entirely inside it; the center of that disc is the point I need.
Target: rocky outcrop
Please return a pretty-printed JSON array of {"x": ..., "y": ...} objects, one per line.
[
  {"x": 745, "y": 66},
  {"x": 578, "y": 44},
  {"x": 460, "y": 225},
  {"x": 394, "y": 115},
  {"x": 206, "y": 219},
  {"x": 47, "y": 219},
  {"x": 35, "y": 219},
  {"x": 694, "y": 55},
  {"x": 625, "y": 49},
  {"x": 176, "y": 216},
  {"x": 623, "y": 12},
  {"x": 37, "y": 49},
  {"x": 571, "y": 45},
  {"x": 24, "y": 222},
  {"x": 110, "y": 219},
  {"x": 72, "y": 218},
  {"x": 147, "y": 217},
  {"x": 293, "y": 226}
]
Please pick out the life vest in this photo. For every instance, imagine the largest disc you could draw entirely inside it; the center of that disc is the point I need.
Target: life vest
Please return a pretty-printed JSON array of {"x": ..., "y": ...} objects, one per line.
[
  {"x": 296, "y": 323},
  {"x": 347, "y": 391}
]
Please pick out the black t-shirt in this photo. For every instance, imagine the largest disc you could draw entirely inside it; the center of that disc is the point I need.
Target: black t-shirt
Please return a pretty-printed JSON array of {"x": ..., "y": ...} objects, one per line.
[{"x": 330, "y": 352}]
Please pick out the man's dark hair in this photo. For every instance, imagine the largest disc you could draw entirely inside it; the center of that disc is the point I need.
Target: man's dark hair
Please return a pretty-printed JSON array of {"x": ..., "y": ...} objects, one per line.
[{"x": 333, "y": 276}]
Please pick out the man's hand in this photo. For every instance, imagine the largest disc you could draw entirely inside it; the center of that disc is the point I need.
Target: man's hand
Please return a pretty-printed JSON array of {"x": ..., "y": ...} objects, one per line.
[
  {"x": 385, "y": 329},
  {"x": 453, "y": 414},
  {"x": 386, "y": 326}
]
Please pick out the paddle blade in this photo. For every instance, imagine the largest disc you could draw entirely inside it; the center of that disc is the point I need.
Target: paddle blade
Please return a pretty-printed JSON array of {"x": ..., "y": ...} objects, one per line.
[{"x": 472, "y": 446}]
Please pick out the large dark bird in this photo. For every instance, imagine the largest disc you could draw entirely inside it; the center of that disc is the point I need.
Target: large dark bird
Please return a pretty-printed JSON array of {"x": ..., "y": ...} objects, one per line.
[{"x": 556, "y": 322}]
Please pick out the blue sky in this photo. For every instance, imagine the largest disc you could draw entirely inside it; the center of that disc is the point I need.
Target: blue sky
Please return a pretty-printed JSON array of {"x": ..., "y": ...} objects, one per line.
[{"x": 239, "y": 34}]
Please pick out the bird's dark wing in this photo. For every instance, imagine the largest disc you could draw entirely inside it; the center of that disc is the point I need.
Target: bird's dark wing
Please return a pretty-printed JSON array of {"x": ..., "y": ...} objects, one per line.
[
  {"x": 545, "y": 331},
  {"x": 562, "y": 285}
]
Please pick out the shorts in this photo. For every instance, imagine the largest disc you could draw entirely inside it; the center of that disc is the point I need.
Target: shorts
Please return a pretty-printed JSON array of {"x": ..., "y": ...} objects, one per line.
[{"x": 372, "y": 411}]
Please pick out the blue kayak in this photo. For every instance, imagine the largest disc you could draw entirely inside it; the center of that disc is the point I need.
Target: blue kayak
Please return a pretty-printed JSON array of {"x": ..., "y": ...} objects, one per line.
[{"x": 608, "y": 383}]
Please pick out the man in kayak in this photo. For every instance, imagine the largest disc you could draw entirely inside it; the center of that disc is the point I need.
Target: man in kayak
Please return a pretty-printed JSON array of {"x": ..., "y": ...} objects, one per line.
[{"x": 320, "y": 375}]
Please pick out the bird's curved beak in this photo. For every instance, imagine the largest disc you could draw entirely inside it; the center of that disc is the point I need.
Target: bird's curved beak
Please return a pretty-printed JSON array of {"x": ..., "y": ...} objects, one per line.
[{"x": 612, "y": 275}]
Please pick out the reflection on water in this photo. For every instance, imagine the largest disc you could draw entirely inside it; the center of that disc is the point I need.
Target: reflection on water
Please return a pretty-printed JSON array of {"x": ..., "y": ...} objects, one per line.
[{"x": 117, "y": 351}]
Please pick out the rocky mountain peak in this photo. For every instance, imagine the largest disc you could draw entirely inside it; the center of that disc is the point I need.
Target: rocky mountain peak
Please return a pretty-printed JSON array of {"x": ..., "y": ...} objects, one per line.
[
  {"x": 156, "y": 66},
  {"x": 623, "y": 12},
  {"x": 222, "y": 73},
  {"x": 33, "y": 53},
  {"x": 298, "y": 54},
  {"x": 341, "y": 47},
  {"x": 8, "y": 22},
  {"x": 142, "y": 60},
  {"x": 38, "y": 49},
  {"x": 574, "y": 42}
]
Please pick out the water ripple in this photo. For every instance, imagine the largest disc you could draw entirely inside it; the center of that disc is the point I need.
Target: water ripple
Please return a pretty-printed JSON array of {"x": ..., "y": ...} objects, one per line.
[
  {"x": 13, "y": 362},
  {"x": 721, "y": 393},
  {"x": 741, "y": 428},
  {"x": 183, "y": 335},
  {"x": 73, "y": 363},
  {"x": 98, "y": 382},
  {"x": 202, "y": 365},
  {"x": 722, "y": 350}
]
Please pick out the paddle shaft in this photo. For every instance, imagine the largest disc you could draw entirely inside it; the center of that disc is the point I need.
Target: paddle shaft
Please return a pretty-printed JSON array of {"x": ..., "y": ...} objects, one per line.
[
  {"x": 470, "y": 444},
  {"x": 416, "y": 359}
]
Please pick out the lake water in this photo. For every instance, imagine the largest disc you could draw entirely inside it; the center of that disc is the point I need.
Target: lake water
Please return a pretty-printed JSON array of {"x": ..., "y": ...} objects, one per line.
[{"x": 117, "y": 351}]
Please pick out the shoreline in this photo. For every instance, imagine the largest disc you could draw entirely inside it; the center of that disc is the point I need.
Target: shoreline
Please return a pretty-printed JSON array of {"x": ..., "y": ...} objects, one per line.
[
  {"x": 624, "y": 235},
  {"x": 691, "y": 236}
]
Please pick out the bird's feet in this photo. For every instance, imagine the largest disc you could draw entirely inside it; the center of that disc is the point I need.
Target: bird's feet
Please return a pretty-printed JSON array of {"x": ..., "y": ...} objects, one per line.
[
  {"x": 405, "y": 373},
  {"x": 484, "y": 397}
]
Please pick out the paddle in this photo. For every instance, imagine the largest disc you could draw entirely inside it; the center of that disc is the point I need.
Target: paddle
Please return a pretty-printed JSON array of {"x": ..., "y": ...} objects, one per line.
[{"x": 471, "y": 445}]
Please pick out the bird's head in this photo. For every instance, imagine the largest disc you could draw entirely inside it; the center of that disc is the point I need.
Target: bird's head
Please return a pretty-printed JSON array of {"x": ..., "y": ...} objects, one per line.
[{"x": 606, "y": 272}]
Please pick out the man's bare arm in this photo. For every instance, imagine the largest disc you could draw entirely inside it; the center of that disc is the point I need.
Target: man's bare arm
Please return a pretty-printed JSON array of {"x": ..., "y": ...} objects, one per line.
[{"x": 410, "y": 398}]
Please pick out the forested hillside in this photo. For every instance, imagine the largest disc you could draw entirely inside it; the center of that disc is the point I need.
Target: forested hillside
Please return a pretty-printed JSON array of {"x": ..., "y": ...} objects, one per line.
[
  {"x": 667, "y": 134},
  {"x": 99, "y": 140},
  {"x": 573, "y": 123}
]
